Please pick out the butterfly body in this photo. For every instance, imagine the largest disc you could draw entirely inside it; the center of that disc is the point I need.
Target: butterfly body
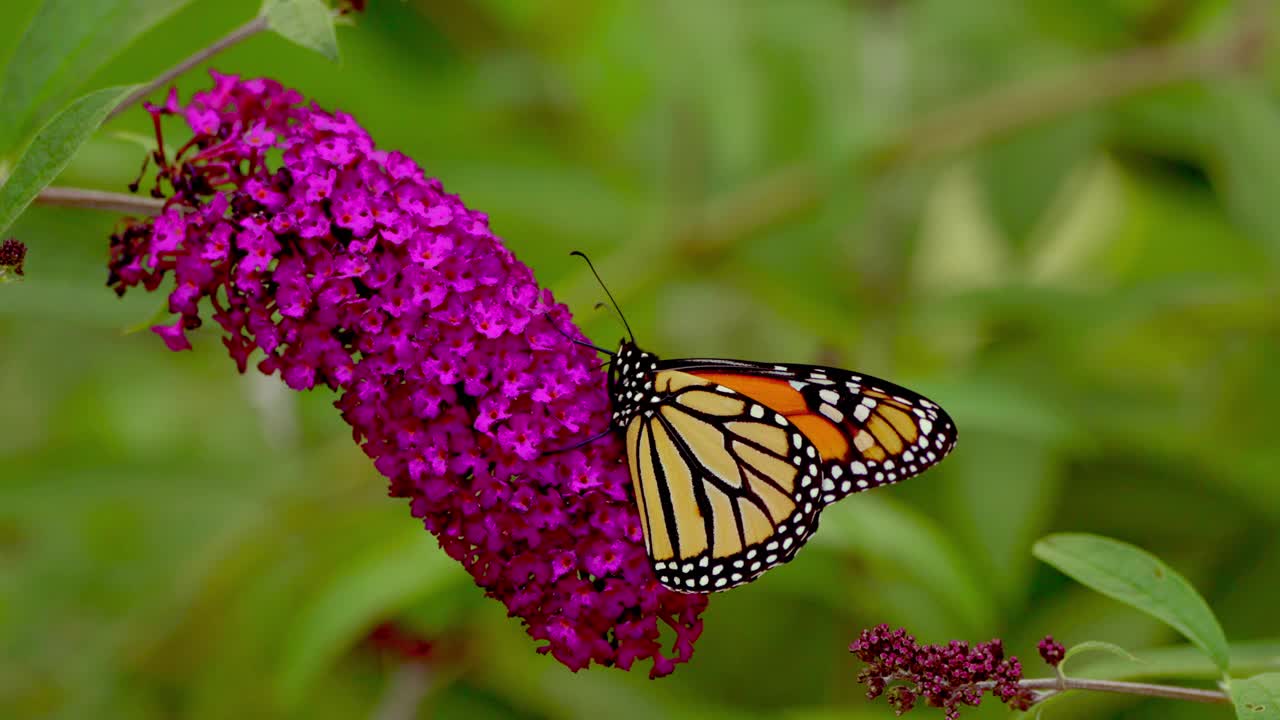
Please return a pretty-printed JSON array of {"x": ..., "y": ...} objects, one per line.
[{"x": 732, "y": 462}]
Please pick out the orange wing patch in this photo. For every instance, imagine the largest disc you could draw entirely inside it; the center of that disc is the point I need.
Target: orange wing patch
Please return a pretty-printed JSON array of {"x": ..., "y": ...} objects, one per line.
[
  {"x": 831, "y": 442},
  {"x": 770, "y": 392}
]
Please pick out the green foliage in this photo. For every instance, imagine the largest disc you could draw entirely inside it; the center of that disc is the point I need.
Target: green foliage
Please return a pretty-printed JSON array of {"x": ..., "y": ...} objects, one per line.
[
  {"x": 1089, "y": 646},
  {"x": 392, "y": 576},
  {"x": 308, "y": 23},
  {"x": 52, "y": 148},
  {"x": 66, "y": 42},
  {"x": 1090, "y": 292},
  {"x": 1137, "y": 578},
  {"x": 1257, "y": 698}
]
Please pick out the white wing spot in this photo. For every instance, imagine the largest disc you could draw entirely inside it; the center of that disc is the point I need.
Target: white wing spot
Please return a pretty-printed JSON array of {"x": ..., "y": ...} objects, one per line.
[
  {"x": 869, "y": 402},
  {"x": 828, "y": 485},
  {"x": 798, "y": 385},
  {"x": 857, "y": 468},
  {"x": 830, "y": 396},
  {"x": 861, "y": 413},
  {"x": 757, "y": 412},
  {"x": 926, "y": 426},
  {"x": 833, "y": 413},
  {"x": 837, "y": 471}
]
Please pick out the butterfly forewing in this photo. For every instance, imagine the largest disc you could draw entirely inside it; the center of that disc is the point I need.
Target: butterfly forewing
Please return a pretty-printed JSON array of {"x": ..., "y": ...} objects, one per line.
[{"x": 868, "y": 431}]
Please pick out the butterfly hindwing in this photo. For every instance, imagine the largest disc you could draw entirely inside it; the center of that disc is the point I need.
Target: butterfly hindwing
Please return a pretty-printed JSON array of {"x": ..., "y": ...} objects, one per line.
[{"x": 726, "y": 488}]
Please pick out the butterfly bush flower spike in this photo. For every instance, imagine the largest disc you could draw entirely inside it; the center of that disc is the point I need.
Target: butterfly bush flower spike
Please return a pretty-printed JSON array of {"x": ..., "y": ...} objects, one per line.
[
  {"x": 334, "y": 263},
  {"x": 945, "y": 676}
]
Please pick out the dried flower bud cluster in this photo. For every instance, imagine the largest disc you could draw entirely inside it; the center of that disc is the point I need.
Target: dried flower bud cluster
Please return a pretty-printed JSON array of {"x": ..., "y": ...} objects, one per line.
[
  {"x": 342, "y": 265},
  {"x": 13, "y": 253},
  {"x": 945, "y": 676},
  {"x": 1051, "y": 651}
]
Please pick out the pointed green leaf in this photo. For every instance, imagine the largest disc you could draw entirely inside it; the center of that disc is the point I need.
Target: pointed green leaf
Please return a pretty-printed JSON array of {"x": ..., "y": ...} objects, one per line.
[
  {"x": 1257, "y": 698},
  {"x": 1137, "y": 578},
  {"x": 52, "y": 148},
  {"x": 308, "y": 23},
  {"x": 66, "y": 42},
  {"x": 1096, "y": 645}
]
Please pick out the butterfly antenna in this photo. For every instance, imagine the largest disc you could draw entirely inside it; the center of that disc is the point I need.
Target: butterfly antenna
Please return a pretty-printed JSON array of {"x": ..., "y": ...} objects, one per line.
[
  {"x": 625, "y": 324},
  {"x": 615, "y": 314},
  {"x": 576, "y": 341},
  {"x": 575, "y": 446}
]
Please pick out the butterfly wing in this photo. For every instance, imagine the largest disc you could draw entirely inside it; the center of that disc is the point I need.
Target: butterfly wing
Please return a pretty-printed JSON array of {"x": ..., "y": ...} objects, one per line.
[
  {"x": 732, "y": 461},
  {"x": 868, "y": 431},
  {"x": 726, "y": 487}
]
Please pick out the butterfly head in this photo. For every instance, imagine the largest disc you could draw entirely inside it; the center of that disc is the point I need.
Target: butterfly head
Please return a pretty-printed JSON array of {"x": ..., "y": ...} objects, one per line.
[{"x": 631, "y": 381}]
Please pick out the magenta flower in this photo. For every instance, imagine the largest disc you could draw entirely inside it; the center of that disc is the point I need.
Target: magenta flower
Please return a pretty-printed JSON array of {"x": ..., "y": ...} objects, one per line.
[{"x": 338, "y": 264}]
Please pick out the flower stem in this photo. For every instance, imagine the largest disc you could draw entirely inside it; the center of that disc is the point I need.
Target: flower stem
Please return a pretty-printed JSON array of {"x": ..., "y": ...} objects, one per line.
[
  {"x": 247, "y": 30},
  {"x": 1172, "y": 692},
  {"x": 99, "y": 200}
]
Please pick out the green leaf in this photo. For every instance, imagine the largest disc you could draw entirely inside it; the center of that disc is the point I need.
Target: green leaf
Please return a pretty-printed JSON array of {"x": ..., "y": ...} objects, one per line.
[
  {"x": 65, "y": 44},
  {"x": 1247, "y": 143},
  {"x": 1257, "y": 698},
  {"x": 1137, "y": 578},
  {"x": 52, "y": 148},
  {"x": 395, "y": 574},
  {"x": 1183, "y": 661},
  {"x": 308, "y": 23},
  {"x": 1093, "y": 646}
]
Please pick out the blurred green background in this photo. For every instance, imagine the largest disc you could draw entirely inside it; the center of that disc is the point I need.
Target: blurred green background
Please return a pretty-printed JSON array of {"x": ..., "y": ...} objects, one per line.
[{"x": 1059, "y": 219}]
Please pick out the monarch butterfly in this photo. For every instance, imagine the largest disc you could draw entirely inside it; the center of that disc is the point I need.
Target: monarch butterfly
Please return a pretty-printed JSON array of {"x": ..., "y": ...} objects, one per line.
[{"x": 732, "y": 462}]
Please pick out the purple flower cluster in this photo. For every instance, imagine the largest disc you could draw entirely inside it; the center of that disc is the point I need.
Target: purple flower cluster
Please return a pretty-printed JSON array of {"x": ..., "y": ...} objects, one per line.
[
  {"x": 1051, "y": 651},
  {"x": 13, "y": 253},
  {"x": 946, "y": 676},
  {"x": 344, "y": 266}
]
